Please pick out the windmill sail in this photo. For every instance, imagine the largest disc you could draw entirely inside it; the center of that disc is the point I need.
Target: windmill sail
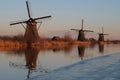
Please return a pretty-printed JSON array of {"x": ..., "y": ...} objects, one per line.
[
  {"x": 88, "y": 31},
  {"x": 28, "y": 9},
  {"x": 82, "y": 25},
  {"x": 18, "y": 22},
  {"x": 75, "y": 29},
  {"x": 45, "y": 17},
  {"x": 102, "y": 30}
]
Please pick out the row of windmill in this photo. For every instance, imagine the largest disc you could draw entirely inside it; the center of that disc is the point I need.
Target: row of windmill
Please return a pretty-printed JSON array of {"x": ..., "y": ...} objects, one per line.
[
  {"x": 81, "y": 35},
  {"x": 31, "y": 29}
]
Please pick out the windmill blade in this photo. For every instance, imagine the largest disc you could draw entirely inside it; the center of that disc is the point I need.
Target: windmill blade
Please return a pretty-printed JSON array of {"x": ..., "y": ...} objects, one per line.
[
  {"x": 88, "y": 31},
  {"x": 99, "y": 33},
  {"x": 45, "y": 17},
  {"x": 75, "y": 29},
  {"x": 18, "y": 22},
  {"x": 82, "y": 24},
  {"x": 102, "y": 30},
  {"x": 42, "y": 20},
  {"x": 106, "y": 34},
  {"x": 28, "y": 8}
]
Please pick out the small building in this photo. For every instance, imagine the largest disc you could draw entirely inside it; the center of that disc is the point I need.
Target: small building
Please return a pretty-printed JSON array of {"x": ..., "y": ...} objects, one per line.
[{"x": 56, "y": 38}]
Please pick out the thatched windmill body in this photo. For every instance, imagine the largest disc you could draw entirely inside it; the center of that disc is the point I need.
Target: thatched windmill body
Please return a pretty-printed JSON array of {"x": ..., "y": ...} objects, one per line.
[
  {"x": 101, "y": 35},
  {"x": 81, "y": 35},
  {"x": 31, "y": 31}
]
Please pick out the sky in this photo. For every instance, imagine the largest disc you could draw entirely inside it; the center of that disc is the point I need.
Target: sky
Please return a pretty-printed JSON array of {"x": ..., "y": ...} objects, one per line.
[{"x": 66, "y": 14}]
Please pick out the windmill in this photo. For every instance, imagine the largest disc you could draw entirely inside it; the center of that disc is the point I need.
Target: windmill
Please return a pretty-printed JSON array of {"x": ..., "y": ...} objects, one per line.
[
  {"x": 81, "y": 36},
  {"x": 101, "y": 35},
  {"x": 31, "y": 31}
]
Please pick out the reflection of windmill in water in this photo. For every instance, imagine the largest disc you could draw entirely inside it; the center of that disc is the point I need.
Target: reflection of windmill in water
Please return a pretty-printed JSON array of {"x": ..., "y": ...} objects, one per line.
[
  {"x": 101, "y": 48},
  {"x": 81, "y": 51},
  {"x": 31, "y": 33},
  {"x": 81, "y": 36},
  {"x": 101, "y": 35},
  {"x": 31, "y": 55}
]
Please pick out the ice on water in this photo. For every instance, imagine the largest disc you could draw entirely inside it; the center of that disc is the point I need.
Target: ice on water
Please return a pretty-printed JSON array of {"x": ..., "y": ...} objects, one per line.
[{"x": 100, "y": 68}]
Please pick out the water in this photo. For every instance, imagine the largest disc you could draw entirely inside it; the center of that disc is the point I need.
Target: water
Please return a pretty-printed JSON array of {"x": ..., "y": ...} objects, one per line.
[{"x": 25, "y": 64}]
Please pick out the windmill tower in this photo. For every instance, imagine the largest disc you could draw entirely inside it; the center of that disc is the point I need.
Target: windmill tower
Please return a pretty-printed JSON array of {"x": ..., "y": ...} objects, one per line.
[
  {"x": 101, "y": 35},
  {"x": 81, "y": 36},
  {"x": 31, "y": 31}
]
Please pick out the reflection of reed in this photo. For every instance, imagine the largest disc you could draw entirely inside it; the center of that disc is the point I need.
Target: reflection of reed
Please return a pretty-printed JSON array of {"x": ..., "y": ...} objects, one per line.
[{"x": 81, "y": 51}]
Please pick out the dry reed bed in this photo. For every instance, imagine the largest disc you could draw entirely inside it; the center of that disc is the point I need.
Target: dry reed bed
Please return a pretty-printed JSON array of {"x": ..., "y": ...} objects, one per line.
[
  {"x": 45, "y": 44},
  {"x": 11, "y": 45}
]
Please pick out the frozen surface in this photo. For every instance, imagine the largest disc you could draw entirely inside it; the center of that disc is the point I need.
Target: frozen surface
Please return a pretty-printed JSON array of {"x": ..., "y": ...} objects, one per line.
[{"x": 101, "y": 68}]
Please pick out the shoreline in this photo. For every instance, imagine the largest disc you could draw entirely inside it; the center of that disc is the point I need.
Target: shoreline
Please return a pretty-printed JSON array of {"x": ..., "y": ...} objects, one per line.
[{"x": 47, "y": 44}]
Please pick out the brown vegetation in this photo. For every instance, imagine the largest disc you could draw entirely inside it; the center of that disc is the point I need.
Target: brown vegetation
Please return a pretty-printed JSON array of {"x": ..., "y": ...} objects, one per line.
[
  {"x": 17, "y": 42},
  {"x": 12, "y": 42}
]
